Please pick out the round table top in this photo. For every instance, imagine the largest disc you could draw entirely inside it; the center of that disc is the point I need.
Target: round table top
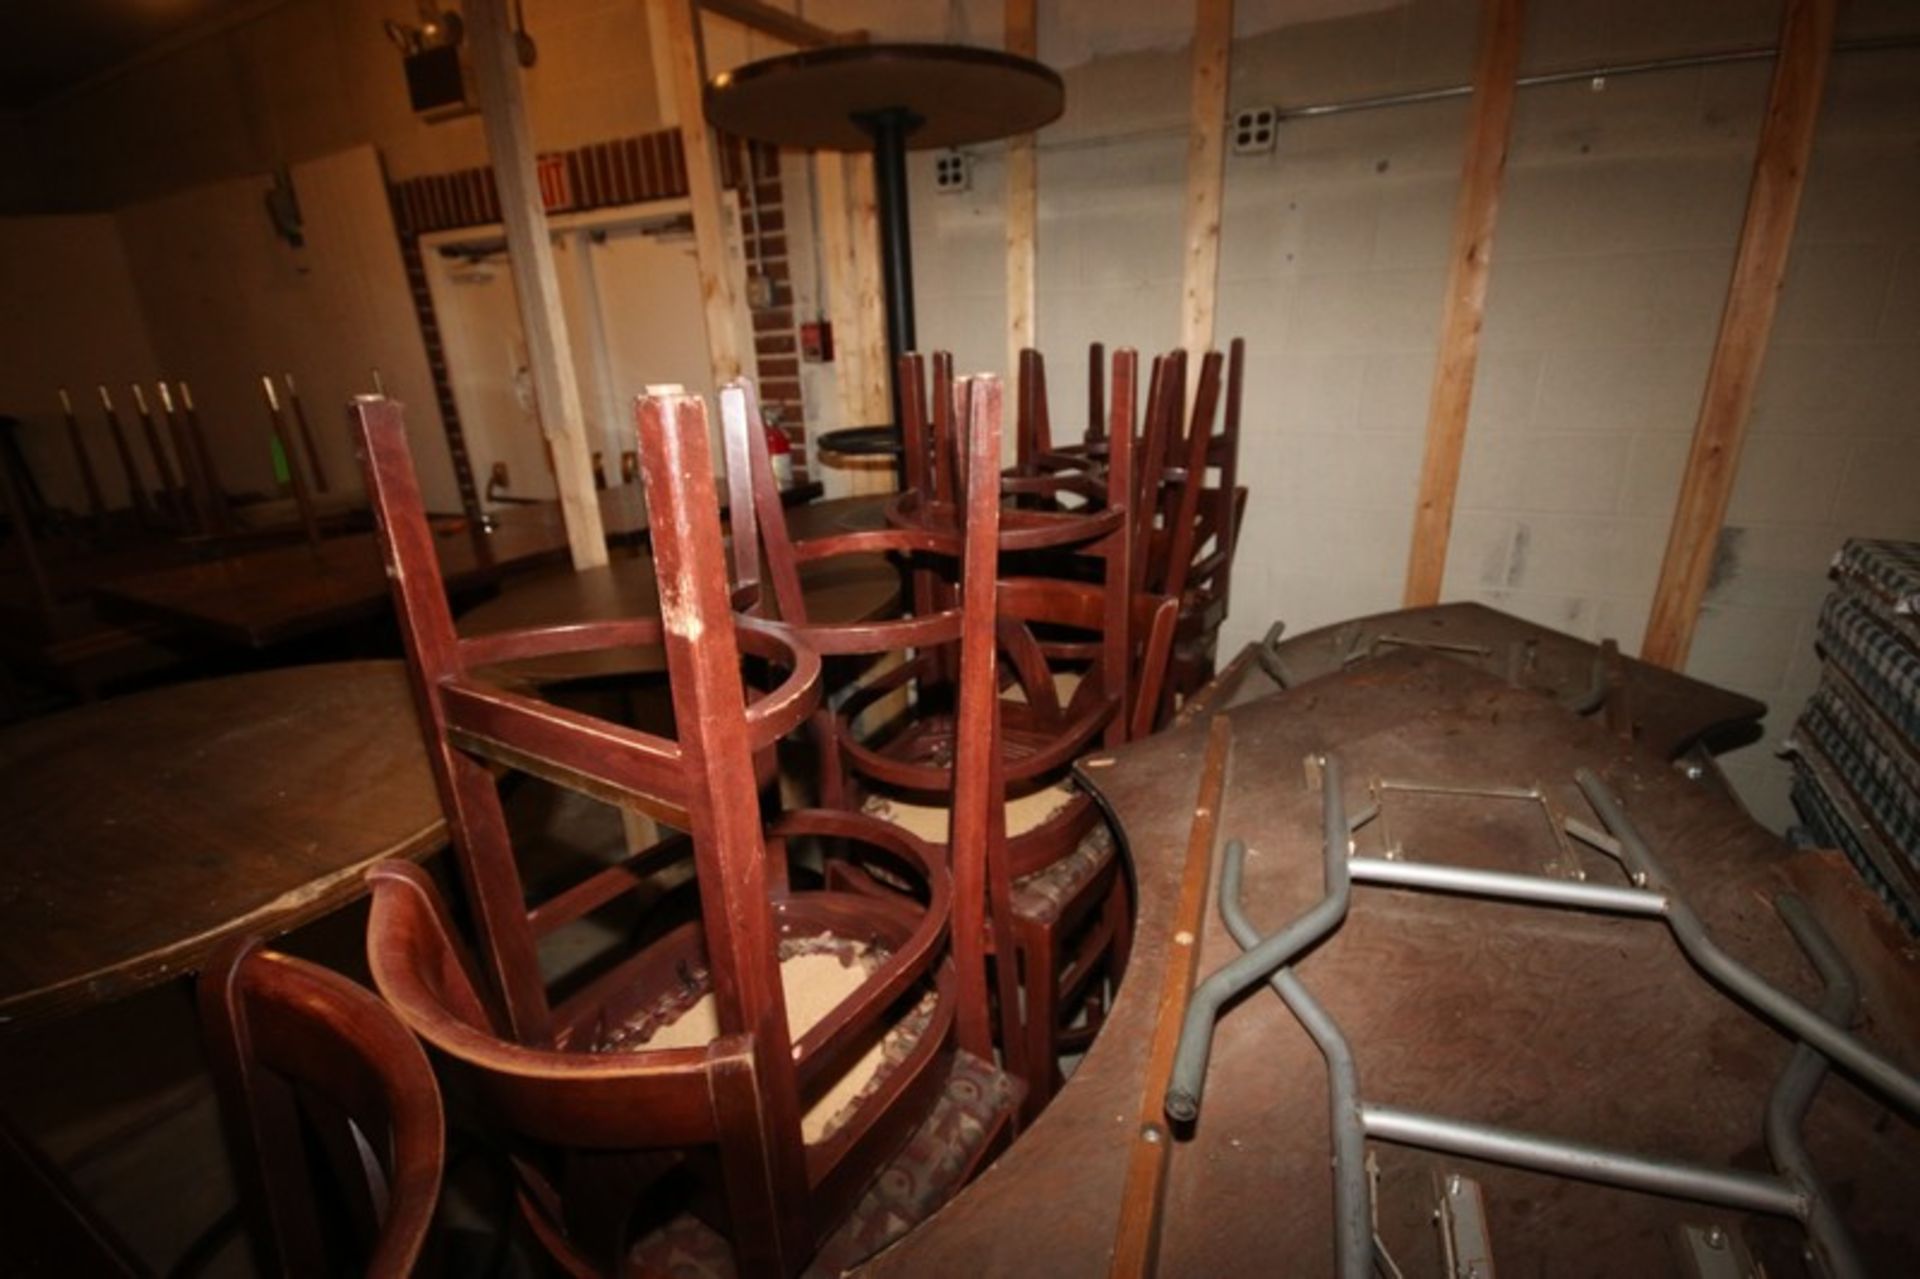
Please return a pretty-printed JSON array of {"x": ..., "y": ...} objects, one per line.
[
  {"x": 847, "y": 588},
  {"x": 813, "y": 98},
  {"x": 143, "y": 831}
]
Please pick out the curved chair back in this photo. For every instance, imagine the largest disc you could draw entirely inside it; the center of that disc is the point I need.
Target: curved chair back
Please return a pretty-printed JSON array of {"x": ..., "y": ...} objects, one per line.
[{"x": 314, "y": 1072}]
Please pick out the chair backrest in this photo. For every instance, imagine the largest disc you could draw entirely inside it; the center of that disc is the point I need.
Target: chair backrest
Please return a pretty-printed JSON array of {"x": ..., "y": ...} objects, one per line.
[
  {"x": 745, "y": 1091},
  {"x": 978, "y": 784},
  {"x": 1033, "y": 423},
  {"x": 761, "y": 541},
  {"x": 313, "y": 1073},
  {"x": 935, "y": 442},
  {"x": 704, "y": 783}
]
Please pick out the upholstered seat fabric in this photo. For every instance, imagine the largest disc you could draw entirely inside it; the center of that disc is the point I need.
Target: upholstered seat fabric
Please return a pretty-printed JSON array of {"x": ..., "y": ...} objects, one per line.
[{"x": 926, "y": 1172}]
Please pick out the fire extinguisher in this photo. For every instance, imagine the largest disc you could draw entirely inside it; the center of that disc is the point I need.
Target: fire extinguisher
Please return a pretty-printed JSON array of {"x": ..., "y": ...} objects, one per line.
[{"x": 780, "y": 450}]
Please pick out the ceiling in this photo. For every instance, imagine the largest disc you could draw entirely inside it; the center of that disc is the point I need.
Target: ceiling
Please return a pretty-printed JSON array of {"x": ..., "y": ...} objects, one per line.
[{"x": 50, "y": 45}]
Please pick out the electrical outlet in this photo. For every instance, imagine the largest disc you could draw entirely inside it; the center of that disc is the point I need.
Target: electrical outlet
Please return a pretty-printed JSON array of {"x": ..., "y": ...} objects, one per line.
[
  {"x": 1255, "y": 130},
  {"x": 952, "y": 172}
]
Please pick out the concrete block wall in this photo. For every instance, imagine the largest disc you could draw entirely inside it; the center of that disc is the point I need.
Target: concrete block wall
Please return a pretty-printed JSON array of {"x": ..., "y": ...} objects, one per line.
[{"x": 1619, "y": 218}]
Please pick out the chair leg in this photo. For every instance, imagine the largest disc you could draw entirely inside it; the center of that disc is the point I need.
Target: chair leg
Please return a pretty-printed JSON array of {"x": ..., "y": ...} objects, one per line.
[
  {"x": 833, "y": 780},
  {"x": 1039, "y": 946}
]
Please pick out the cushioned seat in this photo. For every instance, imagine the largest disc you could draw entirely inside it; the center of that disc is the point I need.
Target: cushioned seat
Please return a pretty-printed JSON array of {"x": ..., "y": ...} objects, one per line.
[
  {"x": 1065, "y": 684},
  {"x": 943, "y": 1152},
  {"x": 1042, "y": 896},
  {"x": 930, "y": 821},
  {"x": 816, "y": 974}
]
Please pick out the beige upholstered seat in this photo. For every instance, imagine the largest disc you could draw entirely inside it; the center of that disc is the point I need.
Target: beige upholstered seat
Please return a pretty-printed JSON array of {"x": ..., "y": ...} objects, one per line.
[
  {"x": 930, "y": 821},
  {"x": 816, "y": 975}
]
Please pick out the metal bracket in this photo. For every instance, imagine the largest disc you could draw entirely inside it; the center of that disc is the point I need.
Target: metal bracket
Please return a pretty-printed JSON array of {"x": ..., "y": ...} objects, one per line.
[
  {"x": 1794, "y": 1190},
  {"x": 1717, "y": 1253},
  {"x": 1462, "y": 1217}
]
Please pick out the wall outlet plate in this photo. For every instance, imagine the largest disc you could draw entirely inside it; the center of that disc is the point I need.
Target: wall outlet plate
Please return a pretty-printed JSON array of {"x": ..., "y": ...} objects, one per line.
[
  {"x": 1255, "y": 130},
  {"x": 952, "y": 172}
]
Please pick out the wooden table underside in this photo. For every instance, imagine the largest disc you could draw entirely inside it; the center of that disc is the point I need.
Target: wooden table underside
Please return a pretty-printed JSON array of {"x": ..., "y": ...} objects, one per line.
[
  {"x": 142, "y": 831},
  {"x": 1580, "y": 1026}
]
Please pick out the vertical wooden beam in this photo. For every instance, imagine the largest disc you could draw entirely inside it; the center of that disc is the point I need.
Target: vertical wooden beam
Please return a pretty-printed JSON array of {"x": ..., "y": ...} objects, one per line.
[
  {"x": 685, "y": 53},
  {"x": 869, "y": 292},
  {"x": 1773, "y": 205},
  {"x": 1023, "y": 203},
  {"x": 556, "y": 388},
  {"x": 1470, "y": 262},
  {"x": 1206, "y": 153},
  {"x": 849, "y": 233}
]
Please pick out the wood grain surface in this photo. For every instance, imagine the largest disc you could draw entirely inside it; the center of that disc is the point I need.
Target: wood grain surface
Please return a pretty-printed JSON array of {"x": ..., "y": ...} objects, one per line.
[
  {"x": 143, "y": 831},
  {"x": 1583, "y": 1027}
]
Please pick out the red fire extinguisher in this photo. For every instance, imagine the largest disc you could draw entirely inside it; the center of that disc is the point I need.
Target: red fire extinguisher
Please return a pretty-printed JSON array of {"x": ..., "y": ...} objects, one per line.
[{"x": 780, "y": 450}]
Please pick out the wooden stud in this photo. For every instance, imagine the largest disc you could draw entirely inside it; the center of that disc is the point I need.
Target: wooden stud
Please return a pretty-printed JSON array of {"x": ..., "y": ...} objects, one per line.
[
  {"x": 725, "y": 343},
  {"x": 1137, "y": 1243},
  {"x": 556, "y": 387},
  {"x": 1470, "y": 261},
  {"x": 1023, "y": 203},
  {"x": 1773, "y": 205},
  {"x": 1206, "y": 154},
  {"x": 869, "y": 297},
  {"x": 849, "y": 235}
]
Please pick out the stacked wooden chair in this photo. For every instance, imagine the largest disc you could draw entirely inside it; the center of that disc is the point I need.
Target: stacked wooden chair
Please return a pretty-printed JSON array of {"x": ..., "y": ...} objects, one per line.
[
  {"x": 727, "y": 1096},
  {"x": 986, "y": 780},
  {"x": 327, "y": 1100},
  {"x": 1188, "y": 503}
]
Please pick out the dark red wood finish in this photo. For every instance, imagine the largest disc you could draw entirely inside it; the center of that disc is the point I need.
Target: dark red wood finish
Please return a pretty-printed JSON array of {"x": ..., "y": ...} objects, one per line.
[
  {"x": 534, "y": 1059},
  {"x": 297, "y": 1053}
]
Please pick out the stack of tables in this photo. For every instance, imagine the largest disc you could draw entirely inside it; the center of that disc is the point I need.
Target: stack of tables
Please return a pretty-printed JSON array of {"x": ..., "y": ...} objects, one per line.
[
  {"x": 1587, "y": 1027},
  {"x": 1856, "y": 746}
]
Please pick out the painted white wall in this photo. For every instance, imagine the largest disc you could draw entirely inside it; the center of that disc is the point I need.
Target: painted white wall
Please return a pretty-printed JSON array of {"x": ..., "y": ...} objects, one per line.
[
  {"x": 1618, "y": 222},
  {"x": 225, "y": 300}
]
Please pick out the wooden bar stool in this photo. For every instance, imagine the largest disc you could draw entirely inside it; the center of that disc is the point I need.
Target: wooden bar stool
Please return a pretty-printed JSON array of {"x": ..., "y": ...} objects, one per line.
[{"x": 726, "y": 1096}]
